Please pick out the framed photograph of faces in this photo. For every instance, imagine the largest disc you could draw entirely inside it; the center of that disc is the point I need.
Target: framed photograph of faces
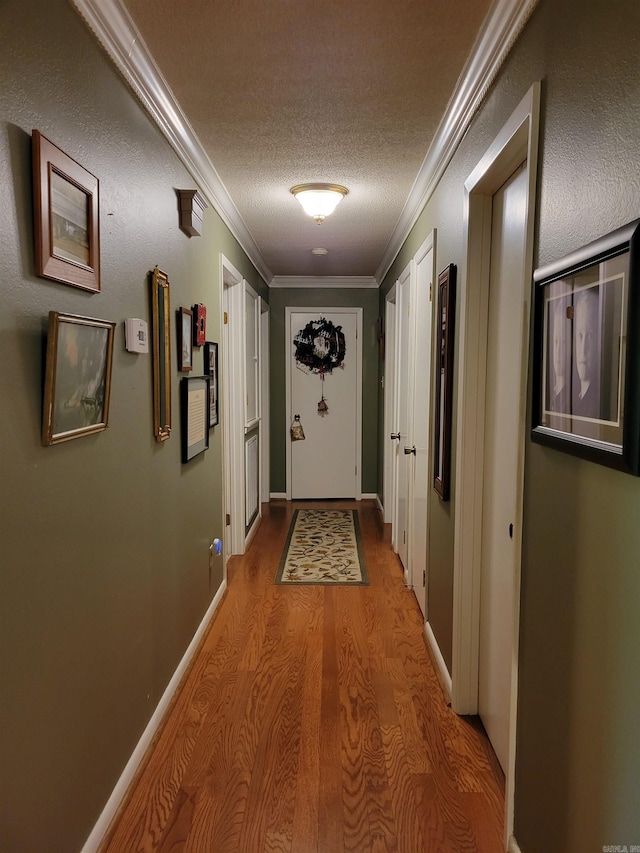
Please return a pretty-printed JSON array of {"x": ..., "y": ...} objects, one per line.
[{"x": 586, "y": 380}]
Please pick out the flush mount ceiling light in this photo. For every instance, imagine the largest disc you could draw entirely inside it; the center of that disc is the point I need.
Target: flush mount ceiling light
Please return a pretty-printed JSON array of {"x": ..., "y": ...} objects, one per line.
[
  {"x": 319, "y": 200},
  {"x": 319, "y": 251}
]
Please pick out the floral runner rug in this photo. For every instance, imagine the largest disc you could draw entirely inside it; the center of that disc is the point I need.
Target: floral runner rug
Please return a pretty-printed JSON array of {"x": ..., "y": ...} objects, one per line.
[{"x": 324, "y": 546}]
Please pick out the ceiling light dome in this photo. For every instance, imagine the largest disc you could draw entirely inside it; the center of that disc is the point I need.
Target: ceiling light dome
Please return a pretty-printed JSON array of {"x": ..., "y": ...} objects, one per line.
[{"x": 319, "y": 200}]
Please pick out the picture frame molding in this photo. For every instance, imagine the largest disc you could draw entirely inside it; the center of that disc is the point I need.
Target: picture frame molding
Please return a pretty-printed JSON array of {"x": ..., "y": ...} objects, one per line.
[
  {"x": 49, "y": 160},
  {"x": 625, "y": 454}
]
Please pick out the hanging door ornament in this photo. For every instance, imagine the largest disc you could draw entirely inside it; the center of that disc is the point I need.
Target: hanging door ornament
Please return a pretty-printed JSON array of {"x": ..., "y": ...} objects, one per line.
[{"x": 320, "y": 347}]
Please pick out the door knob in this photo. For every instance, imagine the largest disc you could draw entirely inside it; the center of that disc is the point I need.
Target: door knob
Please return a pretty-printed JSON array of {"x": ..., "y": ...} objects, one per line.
[
  {"x": 409, "y": 450},
  {"x": 395, "y": 435}
]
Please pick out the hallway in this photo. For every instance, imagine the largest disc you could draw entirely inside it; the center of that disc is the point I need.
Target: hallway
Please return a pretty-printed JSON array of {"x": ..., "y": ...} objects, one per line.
[{"x": 312, "y": 721}]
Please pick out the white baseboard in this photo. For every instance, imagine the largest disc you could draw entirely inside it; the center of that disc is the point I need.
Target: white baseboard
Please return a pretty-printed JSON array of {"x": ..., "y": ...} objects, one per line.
[
  {"x": 513, "y": 846},
  {"x": 103, "y": 823},
  {"x": 278, "y": 496},
  {"x": 257, "y": 521},
  {"x": 442, "y": 671},
  {"x": 379, "y": 503},
  {"x": 369, "y": 496}
]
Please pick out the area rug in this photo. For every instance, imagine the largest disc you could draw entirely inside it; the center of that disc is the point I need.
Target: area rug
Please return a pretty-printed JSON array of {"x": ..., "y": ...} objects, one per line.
[{"x": 323, "y": 546}]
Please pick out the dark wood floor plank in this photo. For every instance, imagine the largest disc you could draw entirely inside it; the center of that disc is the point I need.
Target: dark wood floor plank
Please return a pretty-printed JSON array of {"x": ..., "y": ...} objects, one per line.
[{"x": 312, "y": 721}]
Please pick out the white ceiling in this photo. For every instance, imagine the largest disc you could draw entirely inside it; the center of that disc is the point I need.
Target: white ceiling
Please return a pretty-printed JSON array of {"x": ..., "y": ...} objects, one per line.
[{"x": 273, "y": 93}]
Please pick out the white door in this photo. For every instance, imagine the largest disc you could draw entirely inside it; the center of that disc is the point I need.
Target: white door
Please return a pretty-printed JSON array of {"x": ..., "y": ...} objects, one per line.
[
  {"x": 402, "y": 430},
  {"x": 326, "y": 464},
  {"x": 502, "y": 406},
  {"x": 421, "y": 490}
]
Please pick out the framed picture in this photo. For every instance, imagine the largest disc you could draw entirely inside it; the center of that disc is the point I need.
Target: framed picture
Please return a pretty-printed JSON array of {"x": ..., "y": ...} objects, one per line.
[
  {"x": 77, "y": 377},
  {"x": 194, "y": 403},
  {"x": 446, "y": 306},
  {"x": 211, "y": 369},
  {"x": 199, "y": 325},
  {"x": 586, "y": 371},
  {"x": 67, "y": 217},
  {"x": 185, "y": 339},
  {"x": 160, "y": 322}
]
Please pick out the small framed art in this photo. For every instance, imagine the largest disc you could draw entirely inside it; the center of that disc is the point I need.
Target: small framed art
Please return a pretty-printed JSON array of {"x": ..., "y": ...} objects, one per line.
[
  {"x": 185, "y": 340},
  {"x": 446, "y": 302},
  {"x": 586, "y": 370},
  {"x": 194, "y": 394},
  {"x": 77, "y": 377},
  {"x": 67, "y": 217},
  {"x": 211, "y": 369},
  {"x": 199, "y": 324}
]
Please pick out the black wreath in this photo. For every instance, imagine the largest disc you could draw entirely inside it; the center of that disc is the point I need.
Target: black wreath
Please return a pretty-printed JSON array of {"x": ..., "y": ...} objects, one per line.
[{"x": 320, "y": 346}]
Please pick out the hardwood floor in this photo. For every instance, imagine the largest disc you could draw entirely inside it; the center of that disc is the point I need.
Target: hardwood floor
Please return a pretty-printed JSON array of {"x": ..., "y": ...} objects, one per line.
[{"x": 312, "y": 721}]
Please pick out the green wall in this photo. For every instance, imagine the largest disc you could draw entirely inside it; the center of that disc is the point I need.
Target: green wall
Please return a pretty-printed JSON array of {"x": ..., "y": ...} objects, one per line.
[
  {"x": 578, "y": 746},
  {"x": 104, "y": 563},
  {"x": 364, "y": 298}
]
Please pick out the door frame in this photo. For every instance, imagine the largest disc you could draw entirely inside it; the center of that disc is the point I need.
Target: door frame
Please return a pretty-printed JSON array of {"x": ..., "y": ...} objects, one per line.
[
  {"x": 516, "y": 142},
  {"x": 389, "y": 387},
  {"x": 422, "y": 443},
  {"x": 404, "y": 288},
  {"x": 233, "y": 407},
  {"x": 306, "y": 309}
]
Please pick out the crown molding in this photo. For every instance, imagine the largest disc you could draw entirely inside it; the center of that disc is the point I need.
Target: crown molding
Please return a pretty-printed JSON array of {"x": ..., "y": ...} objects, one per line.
[
  {"x": 502, "y": 27},
  {"x": 115, "y": 30},
  {"x": 323, "y": 282}
]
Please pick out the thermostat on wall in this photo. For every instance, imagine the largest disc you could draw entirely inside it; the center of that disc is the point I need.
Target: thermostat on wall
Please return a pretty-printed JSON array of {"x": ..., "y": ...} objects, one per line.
[{"x": 136, "y": 338}]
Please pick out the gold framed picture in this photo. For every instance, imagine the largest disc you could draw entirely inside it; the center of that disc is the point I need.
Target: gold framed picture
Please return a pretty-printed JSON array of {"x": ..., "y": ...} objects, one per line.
[{"x": 77, "y": 378}]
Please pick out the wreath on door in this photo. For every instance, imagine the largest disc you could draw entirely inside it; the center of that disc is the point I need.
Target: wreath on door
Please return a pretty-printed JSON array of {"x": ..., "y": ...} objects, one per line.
[{"x": 319, "y": 348}]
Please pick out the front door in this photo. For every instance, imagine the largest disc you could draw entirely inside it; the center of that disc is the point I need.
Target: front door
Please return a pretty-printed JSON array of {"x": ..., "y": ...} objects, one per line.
[{"x": 324, "y": 367}]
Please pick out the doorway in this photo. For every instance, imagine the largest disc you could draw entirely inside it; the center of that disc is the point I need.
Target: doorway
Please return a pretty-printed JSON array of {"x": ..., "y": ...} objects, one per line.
[
  {"x": 324, "y": 388},
  {"x": 515, "y": 144}
]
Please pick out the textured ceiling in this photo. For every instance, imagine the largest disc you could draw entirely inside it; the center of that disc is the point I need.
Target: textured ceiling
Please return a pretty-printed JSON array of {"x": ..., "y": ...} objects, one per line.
[{"x": 282, "y": 92}]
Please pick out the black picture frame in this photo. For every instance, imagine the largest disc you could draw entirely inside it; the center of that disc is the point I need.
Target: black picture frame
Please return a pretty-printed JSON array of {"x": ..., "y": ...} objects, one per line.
[
  {"x": 211, "y": 370},
  {"x": 185, "y": 339},
  {"x": 194, "y": 416},
  {"x": 586, "y": 359},
  {"x": 445, "y": 324}
]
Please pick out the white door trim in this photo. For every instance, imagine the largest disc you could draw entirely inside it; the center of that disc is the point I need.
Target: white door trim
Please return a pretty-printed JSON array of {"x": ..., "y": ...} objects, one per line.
[
  {"x": 264, "y": 403},
  {"x": 233, "y": 406},
  {"x": 516, "y": 142},
  {"x": 389, "y": 494},
  {"x": 422, "y": 385},
  {"x": 289, "y": 310}
]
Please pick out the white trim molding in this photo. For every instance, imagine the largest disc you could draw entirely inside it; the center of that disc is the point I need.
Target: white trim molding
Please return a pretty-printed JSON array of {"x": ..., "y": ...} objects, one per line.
[
  {"x": 323, "y": 282},
  {"x": 442, "y": 672},
  {"x": 114, "y": 28},
  {"x": 516, "y": 143},
  {"x": 93, "y": 842},
  {"x": 502, "y": 27}
]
